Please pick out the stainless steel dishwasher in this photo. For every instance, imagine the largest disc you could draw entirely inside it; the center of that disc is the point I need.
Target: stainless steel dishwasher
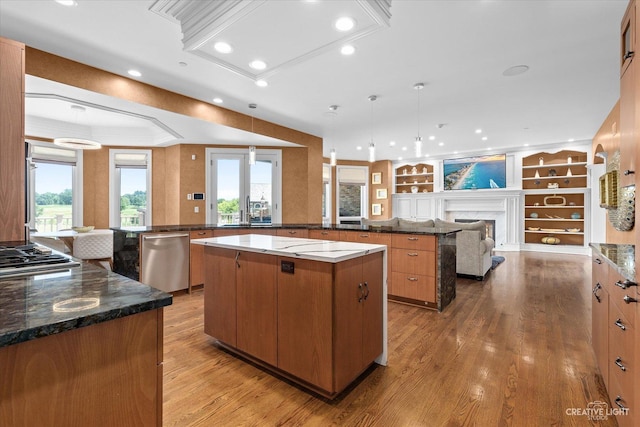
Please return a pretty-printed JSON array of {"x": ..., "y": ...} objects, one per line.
[{"x": 165, "y": 261}]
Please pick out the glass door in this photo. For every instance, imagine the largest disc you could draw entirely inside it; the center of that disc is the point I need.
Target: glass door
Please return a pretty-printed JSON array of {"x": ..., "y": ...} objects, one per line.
[{"x": 243, "y": 193}]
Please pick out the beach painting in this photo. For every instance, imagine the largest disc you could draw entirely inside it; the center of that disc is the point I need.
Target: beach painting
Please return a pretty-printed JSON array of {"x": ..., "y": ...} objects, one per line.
[{"x": 472, "y": 173}]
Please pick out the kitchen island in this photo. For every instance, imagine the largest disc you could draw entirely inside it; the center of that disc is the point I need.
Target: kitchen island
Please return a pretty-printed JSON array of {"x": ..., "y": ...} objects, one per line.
[
  {"x": 313, "y": 311},
  {"x": 80, "y": 347}
]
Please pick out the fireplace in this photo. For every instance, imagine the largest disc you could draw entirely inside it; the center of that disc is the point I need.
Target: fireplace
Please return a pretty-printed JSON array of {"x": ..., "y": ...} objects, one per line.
[{"x": 491, "y": 225}]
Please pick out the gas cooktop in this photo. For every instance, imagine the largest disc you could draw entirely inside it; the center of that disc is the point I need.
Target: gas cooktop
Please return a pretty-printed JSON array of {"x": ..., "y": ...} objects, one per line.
[{"x": 31, "y": 259}]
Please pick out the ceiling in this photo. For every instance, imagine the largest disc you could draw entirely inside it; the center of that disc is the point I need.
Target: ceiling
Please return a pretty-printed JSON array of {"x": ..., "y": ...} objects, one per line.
[{"x": 459, "y": 49}]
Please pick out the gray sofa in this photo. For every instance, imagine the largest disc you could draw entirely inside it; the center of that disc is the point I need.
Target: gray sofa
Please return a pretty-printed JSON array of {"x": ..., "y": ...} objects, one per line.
[{"x": 473, "y": 247}]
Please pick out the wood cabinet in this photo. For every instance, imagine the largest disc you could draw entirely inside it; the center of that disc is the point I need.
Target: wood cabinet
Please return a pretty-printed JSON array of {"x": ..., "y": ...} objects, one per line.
[
  {"x": 324, "y": 234},
  {"x": 317, "y": 323},
  {"x": 629, "y": 97},
  {"x": 232, "y": 231},
  {"x": 615, "y": 309},
  {"x": 12, "y": 163},
  {"x": 555, "y": 197},
  {"x": 196, "y": 258},
  {"x": 414, "y": 269},
  {"x": 417, "y": 178},
  {"x": 302, "y": 233}
]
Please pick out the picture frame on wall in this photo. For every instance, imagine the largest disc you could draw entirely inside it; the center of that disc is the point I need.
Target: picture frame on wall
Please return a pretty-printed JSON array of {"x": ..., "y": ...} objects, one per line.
[
  {"x": 376, "y": 209},
  {"x": 381, "y": 194},
  {"x": 376, "y": 178}
]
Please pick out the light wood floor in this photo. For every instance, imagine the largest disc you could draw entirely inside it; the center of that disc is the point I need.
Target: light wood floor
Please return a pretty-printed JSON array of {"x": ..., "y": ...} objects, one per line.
[{"x": 514, "y": 350}]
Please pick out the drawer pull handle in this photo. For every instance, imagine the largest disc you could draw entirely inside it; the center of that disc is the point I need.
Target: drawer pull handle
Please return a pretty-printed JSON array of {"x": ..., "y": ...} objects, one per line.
[
  {"x": 412, "y": 279},
  {"x": 628, "y": 300},
  {"x": 412, "y": 238},
  {"x": 620, "y": 325},
  {"x": 597, "y": 287},
  {"x": 412, "y": 254},
  {"x": 201, "y": 233},
  {"x": 626, "y": 284},
  {"x": 292, "y": 232},
  {"x": 628, "y": 172},
  {"x": 620, "y": 405},
  {"x": 598, "y": 261},
  {"x": 324, "y": 233},
  {"x": 619, "y": 364},
  {"x": 628, "y": 55},
  {"x": 366, "y": 287},
  {"x": 364, "y": 235}
]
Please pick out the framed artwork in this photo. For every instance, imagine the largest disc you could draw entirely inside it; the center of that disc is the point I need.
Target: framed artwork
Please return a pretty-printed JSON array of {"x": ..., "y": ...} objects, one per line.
[
  {"x": 376, "y": 178},
  {"x": 376, "y": 209},
  {"x": 381, "y": 193}
]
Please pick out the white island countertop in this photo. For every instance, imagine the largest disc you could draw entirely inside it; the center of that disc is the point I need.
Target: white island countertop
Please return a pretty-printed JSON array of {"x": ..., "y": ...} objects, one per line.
[{"x": 312, "y": 249}]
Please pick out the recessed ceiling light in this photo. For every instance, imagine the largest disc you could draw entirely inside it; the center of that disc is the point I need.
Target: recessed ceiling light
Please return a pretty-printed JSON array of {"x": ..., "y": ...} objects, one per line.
[
  {"x": 262, "y": 83},
  {"x": 404, "y": 148},
  {"x": 347, "y": 50},
  {"x": 570, "y": 140},
  {"x": 345, "y": 23},
  {"x": 455, "y": 152},
  {"x": 392, "y": 143},
  {"x": 218, "y": 100},
  {"x": 488, "y": 148},
  {"x": 526, "y": 144},
  {"x": 67, "y": 2},
  {"x": 432, "y": 138},
  {"x": 426, "y": 155},
  {"x": 223, "y": 47},
  {"x": 515, "y": 70},
  {"x": 484, "y": 138},
  {"x": 258, "y": 64},
  {"x": 358, "y": 148},
  {"x": 134, "y": 73},
  {"x": 440, "y": 143},
  {"x": 399, "y": 158},
  {"x": 478, "y": 130}
]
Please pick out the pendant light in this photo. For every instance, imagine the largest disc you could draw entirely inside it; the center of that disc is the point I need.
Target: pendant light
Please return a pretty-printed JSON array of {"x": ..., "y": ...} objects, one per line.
[
  {"x": 332, "y": 154},
  {"x": 74, "y": 142},
  {"x": 418, "y": 142},
  {"x": 252, "y": 148},
  {"x": 372, "y": 146}
]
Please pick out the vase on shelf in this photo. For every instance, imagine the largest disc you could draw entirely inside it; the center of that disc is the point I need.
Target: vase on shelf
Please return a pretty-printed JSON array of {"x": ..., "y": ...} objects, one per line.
[
  {"x": 537, "y": 175},
  {"x": 541, "y": 161}
]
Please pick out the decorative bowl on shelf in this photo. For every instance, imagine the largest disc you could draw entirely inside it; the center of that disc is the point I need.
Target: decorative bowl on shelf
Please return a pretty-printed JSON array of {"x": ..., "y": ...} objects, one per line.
[
  {"x": 575, "y": 215},
  {"x": 550, "y": 240},
  {"x": 83, "y": 229},
  {"x": 414, "y": 188},
  {"x": 533, "y": 228},
  {"x": 573, "y": 230},
  {"x": 533, "y": 215}
]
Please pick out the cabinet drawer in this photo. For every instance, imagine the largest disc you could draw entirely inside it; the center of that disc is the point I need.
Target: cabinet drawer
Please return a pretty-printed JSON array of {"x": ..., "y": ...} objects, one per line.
[
  {"x": 324, "y": 234},
  {"x": 413, "y": 262},
  {"x": 414, "y": 286},
  {"x": 619, "y": 400},
  {"x": 298, "y": 232},
  {"x": 200, "y": 234},
  {"x": 413, "y": 241},
  {"x": 621, "y": 360},
  {"x": 618, "y": 294},
  {"x": 366, "y": 237}
]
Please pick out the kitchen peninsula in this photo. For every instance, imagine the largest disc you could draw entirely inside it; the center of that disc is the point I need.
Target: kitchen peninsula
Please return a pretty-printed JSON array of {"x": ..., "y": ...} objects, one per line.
[
  {"x": 80, "y": 347},
  {"x": 313, "y": 311}
]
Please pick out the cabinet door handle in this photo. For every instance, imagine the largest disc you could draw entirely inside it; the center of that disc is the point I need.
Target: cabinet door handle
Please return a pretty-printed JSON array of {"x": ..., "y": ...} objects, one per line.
[
  {"x": 412, "y": 279},
  {"x": 201, "y": 233},
  {"x": 598, "y": 261},
  {"x": 628, "y": 55},
  {"x": 366, "y": 295},
  {"x": 626, "y": 284},
  {"x": 412, "y": 238},
  {"x": 412, "y": 253},
  {"x": 360, "y": 293},
  {"x": 619, "y": 364},
  {"x": 291, "y": 232},
  {"x": 620, "y": 325},
  {"x": 620, "y": 405},
  {"x": 237, "y": 256},
  {"x": 628, "y": 172},
  {"x": 628, "y": 300},
  {"x": 597, "y": 287}
]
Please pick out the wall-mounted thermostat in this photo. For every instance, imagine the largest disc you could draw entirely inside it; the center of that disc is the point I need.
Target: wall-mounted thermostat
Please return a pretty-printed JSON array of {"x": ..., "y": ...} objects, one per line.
[{"x": 198, "y": 196}]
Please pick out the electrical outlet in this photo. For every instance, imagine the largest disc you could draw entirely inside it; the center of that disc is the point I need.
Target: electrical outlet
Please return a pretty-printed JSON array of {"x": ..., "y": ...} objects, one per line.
[
  {"x": 196, "y": 209},
  {"x": 189, "y": 196}
]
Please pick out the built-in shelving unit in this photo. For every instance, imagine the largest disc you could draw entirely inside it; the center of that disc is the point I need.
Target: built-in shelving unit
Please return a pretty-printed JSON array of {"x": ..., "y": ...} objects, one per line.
[
  {"x": 555, "y": 197},
  {"x": 416, "y": 178}
]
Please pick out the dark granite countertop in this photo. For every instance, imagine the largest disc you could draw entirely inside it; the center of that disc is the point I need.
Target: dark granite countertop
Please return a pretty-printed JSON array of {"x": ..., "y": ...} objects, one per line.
[
  {"x": 37, "y": 306},
  {"x": 348, "y": 227},
  {"x": 621, "y": 257}
]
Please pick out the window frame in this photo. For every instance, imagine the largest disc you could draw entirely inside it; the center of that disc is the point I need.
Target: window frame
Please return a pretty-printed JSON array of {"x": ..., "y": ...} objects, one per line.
[{"x": 114, "y": 185}]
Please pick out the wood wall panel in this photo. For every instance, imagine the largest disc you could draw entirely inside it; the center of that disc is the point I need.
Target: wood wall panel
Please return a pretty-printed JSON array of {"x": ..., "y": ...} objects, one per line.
[
  {"x": 192, "y": 180},
  {"x": 383, "y": 167},
  {"x": 301, "y": 169},
  {"x": 12, "y": 163},
  {"x": 158, "y": 185}
]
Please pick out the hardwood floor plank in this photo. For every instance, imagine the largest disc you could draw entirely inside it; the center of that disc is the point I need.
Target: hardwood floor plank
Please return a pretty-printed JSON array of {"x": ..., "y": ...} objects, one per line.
[{"x": 514, "y": 350}]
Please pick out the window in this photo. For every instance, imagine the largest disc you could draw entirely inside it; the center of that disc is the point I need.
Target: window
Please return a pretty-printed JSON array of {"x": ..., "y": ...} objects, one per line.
[
  {"x": 240, "y": 193},
  {"x": 130, "y": 188},
  {"x": 54, "y": 187},
  {"x": 326, "y": 194},
  {"x": 351, "y": 194}
]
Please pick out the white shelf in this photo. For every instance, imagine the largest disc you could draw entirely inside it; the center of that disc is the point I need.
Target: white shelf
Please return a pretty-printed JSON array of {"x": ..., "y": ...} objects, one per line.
[
  {"x": 553, "y": 219},
  {"x": 555, "y": 165},
  {"x": 554, "y": 232},
  {"x": 553, "y": 207},
  {"x": 411, "y": 184},
  {"x": 414, "y": 174},
  {"x": 555, "y": 177}
]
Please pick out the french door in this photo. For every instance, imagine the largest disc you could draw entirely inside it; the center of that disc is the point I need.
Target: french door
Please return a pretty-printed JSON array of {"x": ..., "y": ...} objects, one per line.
[{"x": 240, "y": 193}]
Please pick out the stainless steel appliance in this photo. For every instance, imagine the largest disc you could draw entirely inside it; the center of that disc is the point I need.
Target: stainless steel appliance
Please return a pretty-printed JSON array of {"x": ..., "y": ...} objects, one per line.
[
  {"x": 31, "y": 259},
  {"x": 165, "y": 261}
]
